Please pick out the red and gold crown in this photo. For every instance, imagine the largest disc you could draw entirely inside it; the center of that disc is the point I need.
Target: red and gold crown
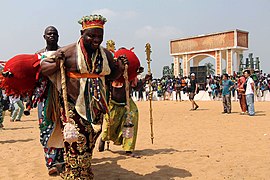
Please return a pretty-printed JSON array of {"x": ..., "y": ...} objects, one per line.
[{"x": 92, "y": 21}]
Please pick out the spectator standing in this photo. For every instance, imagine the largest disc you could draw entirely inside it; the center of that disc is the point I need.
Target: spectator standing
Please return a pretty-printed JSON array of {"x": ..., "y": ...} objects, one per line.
[
  {"x": 177, "y": 88},
  {"x": 250, "y": 87},
  {"x": 241, "y": 94},
  {"x": 227, "y": 86},
  {"x": 193, "y": 89}
]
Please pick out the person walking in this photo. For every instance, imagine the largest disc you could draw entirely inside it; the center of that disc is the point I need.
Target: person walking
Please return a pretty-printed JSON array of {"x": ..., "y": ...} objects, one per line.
[
  {"x": 227, "y": 86},
  {"x": 177, "y": 88},
  {"x": 54, "y": 157},
  {"x": 87, "y": 66},
  {"x": 2, "y": 109},
  {"x": 193, "y": 89},
  {"x": 18, "y": 107},
  {"x": 250, "y": 87}
]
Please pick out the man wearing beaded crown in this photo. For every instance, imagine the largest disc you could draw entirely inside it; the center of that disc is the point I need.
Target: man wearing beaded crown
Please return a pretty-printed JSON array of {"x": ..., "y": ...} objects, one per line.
[{"x": 87, "y": 66}]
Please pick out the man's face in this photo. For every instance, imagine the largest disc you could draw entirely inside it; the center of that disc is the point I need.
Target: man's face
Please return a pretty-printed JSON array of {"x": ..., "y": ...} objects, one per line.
[
  {"x": 192, "y": 77},
  {"x": 51, "y": 36},
  {"x": 92, "y": 37},
  {"x": 246, "y": 74}
]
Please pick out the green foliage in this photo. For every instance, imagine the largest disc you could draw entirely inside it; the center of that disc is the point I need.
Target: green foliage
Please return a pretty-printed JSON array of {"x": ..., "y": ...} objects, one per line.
[{"x": 209, "y": 68}]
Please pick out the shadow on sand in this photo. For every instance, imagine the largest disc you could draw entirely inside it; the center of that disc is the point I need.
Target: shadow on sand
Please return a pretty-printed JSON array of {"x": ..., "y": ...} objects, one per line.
[
  {"x": 260, "y": 113},
  {"x": 16, "y": 128},
  {"x": 14, "y": 141},
  {"x": 29, "y": 120},
  {"x": 201, "y": 109},
  {"x": 107, "y": 168},
  {"x": 149, "y": 152}
]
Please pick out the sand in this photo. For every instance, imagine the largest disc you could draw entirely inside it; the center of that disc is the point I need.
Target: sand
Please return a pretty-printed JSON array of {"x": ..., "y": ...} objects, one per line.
[{"x": 202, "y": 144}]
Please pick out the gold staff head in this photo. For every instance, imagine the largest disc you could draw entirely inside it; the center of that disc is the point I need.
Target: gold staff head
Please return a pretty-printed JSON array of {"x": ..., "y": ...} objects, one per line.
[
  {"x": 110, "y": 45},
  {"x": 148, "y": 51}
]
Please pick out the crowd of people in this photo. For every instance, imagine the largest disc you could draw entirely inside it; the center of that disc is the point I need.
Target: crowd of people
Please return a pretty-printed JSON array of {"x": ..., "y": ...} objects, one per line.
[
  {"x": 212, "y": 85},
  {"x": 216, "y": 87}
]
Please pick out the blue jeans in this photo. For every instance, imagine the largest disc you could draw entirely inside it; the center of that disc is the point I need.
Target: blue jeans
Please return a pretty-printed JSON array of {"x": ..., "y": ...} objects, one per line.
[{"x": 250, "y": 104}]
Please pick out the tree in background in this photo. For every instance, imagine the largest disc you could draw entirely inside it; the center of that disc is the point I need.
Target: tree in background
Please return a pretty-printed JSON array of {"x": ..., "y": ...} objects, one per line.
[{"x": 209, "y": 68}]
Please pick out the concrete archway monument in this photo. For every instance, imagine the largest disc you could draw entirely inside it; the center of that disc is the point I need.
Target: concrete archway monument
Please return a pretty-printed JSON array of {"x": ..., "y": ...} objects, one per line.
[{"x": 228, "y": 45}]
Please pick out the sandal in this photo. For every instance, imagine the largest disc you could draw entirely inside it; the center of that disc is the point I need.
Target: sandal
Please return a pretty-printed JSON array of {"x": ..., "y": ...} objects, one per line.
[{"x": 131, "y": 154}]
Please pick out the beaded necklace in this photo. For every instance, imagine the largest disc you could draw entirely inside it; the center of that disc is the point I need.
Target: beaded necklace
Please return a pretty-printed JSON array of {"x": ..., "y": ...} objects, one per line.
[{"x": 95, "y": 62}]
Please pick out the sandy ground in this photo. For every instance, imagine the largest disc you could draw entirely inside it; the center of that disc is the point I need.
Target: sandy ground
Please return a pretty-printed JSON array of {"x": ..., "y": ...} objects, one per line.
[{"x": 202, "y": 144}]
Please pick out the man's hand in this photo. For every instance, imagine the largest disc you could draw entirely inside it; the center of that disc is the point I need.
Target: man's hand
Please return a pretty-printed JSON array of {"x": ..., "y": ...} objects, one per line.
[
  {"x": 59, "y": 56},
  {"x": 122, "y": 61},
  {"x": 148, "y": 77},
  {"x": 52, "y": 63},
  {"x": 140, "y": 70}
]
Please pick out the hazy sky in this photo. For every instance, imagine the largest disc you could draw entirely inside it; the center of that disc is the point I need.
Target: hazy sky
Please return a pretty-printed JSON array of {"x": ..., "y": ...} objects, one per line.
[{"x": 134, "y": 23}]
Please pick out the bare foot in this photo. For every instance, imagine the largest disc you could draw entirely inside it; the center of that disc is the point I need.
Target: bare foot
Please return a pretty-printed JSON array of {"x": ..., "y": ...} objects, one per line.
[
  {"x": 101, "y": 145},
  {"x": 52, "y": 171}
]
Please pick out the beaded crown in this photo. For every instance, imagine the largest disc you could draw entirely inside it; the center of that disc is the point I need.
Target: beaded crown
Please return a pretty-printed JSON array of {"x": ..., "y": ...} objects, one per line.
[{"x": 92, "y": 21}]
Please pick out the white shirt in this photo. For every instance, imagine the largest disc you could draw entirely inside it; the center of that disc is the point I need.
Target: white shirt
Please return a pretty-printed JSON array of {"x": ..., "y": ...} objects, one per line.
[
  {"x": 46, "y": 54},
  {"x": 249, "y": 89},
  {"x": 209, "y": 89},
  {"x": 14, "y": 99},
  {"x": 147, "y": 88},
  {"x": 188, "y": 82}
]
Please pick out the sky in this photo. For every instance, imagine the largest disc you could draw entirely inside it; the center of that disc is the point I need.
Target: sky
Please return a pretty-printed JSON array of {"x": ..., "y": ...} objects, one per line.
[{"x": 134, "y": 23}]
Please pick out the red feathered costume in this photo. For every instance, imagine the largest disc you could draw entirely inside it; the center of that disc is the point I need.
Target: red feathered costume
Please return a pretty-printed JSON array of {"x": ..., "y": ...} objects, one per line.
[
  {"x": 20, "y": 74},
  {"x": 133, "y": 66}
]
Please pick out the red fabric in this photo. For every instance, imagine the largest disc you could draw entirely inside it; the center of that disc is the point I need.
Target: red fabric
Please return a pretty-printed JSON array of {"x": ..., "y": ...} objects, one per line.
[
  {"x": 24, "y": 68},
  {"x": 241, "y": 82},
  {"x": 134, "y": 63}
]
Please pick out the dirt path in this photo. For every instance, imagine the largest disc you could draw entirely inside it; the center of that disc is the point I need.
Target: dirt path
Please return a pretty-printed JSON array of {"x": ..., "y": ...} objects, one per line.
[{"x": 202, "y": 144}]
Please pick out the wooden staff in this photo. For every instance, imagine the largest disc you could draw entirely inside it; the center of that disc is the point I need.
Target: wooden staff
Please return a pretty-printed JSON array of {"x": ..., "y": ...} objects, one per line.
[
  {"x": 64, "y": 88},
  {"x": 128, "y": 126},
  {"x": 110, "y": 45},
  {"x": 127, "y": 91},
  {"x": 148, "y": 52},
  {"x": 70, "y": 130}
]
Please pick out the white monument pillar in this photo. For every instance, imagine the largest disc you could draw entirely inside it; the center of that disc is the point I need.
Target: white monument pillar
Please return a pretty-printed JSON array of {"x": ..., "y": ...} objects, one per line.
[
  {"x": 186, "y": 66},
  {"x": 176, "y": 66}
]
